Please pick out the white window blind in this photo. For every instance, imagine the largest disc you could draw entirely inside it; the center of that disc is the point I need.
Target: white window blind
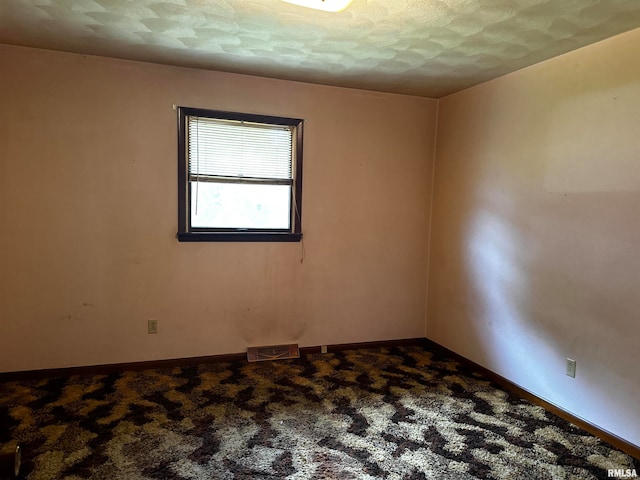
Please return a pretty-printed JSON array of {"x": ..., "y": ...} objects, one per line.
[{"x": 235, "y": 149}]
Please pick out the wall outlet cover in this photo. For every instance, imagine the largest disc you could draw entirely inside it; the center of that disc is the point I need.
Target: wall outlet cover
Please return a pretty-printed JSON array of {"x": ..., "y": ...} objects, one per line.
[
  {"x": 152, "y": 325},
  {"x": 571, "y": 367}
]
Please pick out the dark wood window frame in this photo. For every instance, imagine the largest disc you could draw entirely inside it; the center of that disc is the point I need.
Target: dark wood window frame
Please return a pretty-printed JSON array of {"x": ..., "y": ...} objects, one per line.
[{"x": 186, "y": 233}]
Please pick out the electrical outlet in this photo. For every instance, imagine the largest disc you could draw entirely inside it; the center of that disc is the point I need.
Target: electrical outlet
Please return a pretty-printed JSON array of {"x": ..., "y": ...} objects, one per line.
[
  {"x": 323, "y": 349},
  {"x": 152, "y": 325},
  {"x": 571, "y": 367}
]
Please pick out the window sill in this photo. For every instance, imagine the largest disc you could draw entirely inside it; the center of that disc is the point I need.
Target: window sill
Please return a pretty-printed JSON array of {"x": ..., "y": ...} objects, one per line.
[{"x": 238, "y": 237}]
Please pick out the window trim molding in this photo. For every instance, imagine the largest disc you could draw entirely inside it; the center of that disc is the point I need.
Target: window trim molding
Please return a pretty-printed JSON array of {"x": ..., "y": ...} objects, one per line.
[
  {"x": 186, "y": 233},
  {"x": 239, "y": 237}
]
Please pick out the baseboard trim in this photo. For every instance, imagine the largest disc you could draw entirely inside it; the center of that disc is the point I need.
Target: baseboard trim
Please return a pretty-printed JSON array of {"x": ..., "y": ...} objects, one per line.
[
  {"x": 184, "y": 362},
  {"x": 119, "y": 367},
  {"x": 610, "y": 438},
  {"x": 404, "y": 342}
]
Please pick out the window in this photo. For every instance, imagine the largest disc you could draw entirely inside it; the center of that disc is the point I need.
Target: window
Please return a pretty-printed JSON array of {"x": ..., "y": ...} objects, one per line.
[{"x": 239, "y": 177}]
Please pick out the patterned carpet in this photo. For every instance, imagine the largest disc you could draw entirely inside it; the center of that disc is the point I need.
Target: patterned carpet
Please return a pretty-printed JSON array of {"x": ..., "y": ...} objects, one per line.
[{"x": 401, "y": 413}]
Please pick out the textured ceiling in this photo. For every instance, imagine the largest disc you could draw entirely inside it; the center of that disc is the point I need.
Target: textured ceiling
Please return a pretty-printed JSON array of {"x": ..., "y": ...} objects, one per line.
[{"x": 420, "y": 47}]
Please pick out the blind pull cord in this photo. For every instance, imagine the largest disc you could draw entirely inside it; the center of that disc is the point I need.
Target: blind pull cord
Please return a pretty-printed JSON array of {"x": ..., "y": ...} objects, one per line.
[
  {"x": 197, "y": 163},
  {"x": 297, "y": 219}
]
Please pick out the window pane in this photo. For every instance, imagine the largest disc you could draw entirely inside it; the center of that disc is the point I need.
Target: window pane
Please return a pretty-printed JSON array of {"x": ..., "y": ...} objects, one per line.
[{"x": 233, "y": 205}]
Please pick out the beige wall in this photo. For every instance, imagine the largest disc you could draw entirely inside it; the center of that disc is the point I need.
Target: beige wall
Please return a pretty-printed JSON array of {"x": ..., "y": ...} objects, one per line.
[
  {"x": 88, "y": 209},
  {"x": 536, "y": 230}
]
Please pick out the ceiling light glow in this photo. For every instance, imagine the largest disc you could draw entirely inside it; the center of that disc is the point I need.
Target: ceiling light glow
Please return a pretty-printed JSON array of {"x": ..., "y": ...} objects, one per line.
[{"x": 326, "y": 5}]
